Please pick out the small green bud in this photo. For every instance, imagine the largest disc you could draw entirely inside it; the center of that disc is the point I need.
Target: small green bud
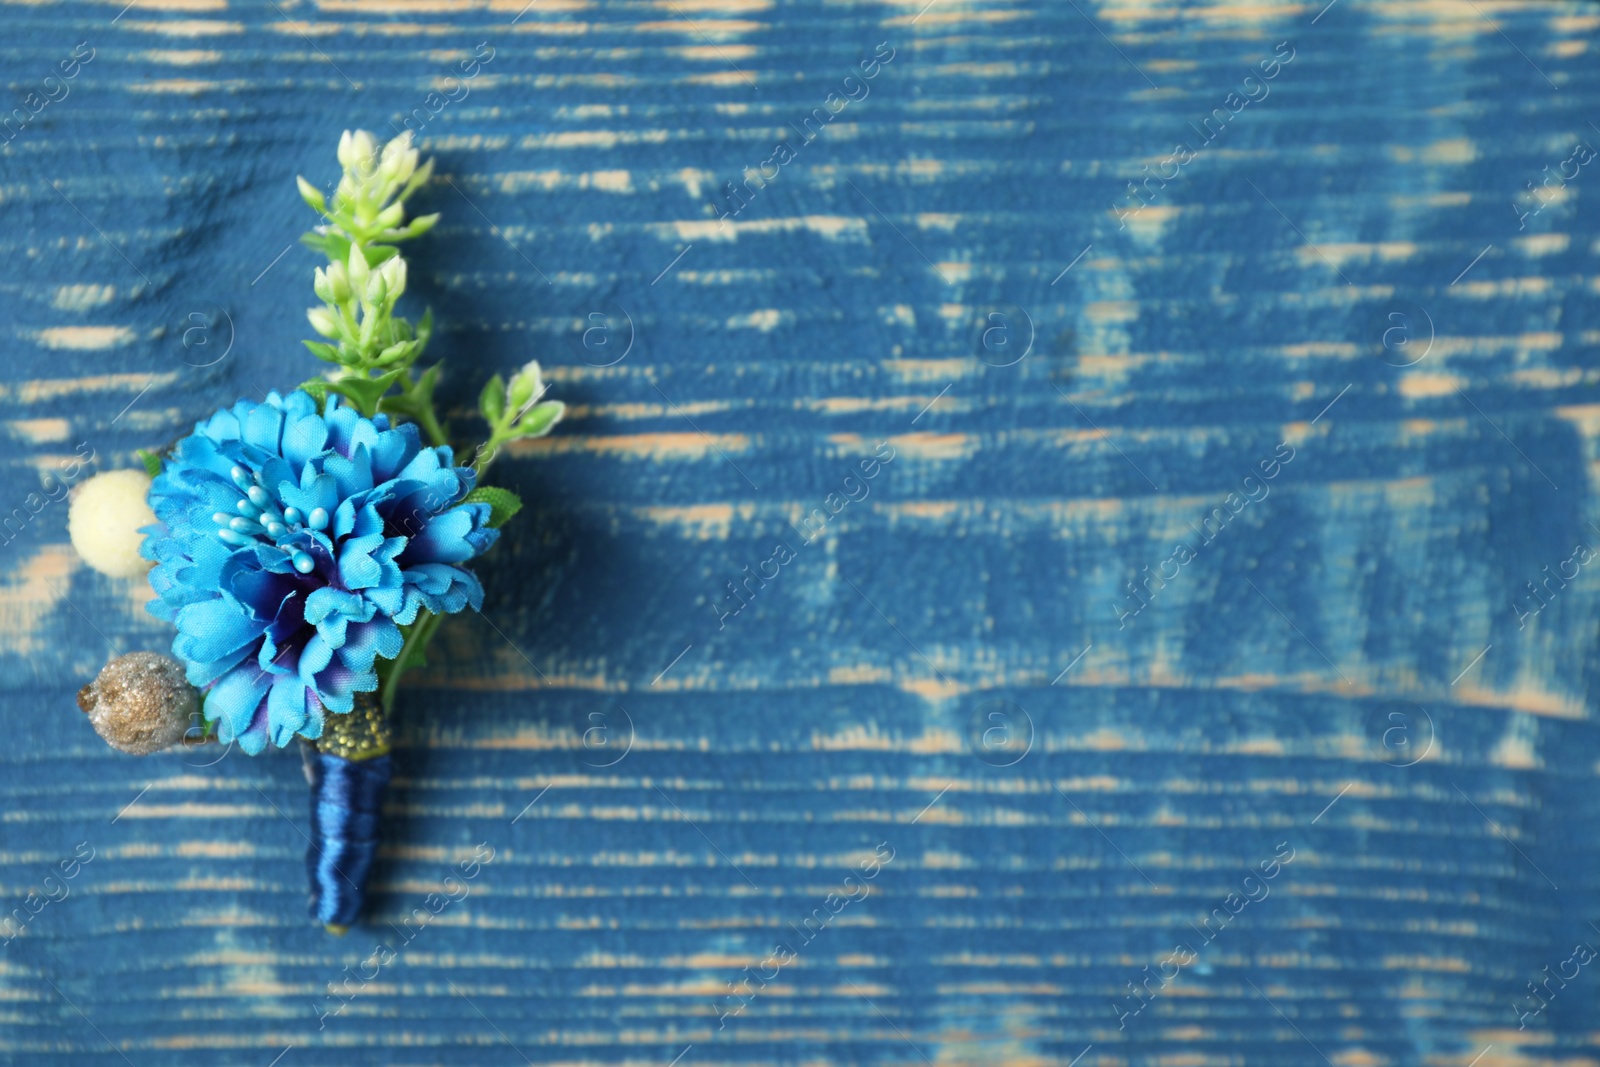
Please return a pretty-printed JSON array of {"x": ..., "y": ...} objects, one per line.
[
  {"x": 395, "y": 352},
  {"x": 415, "y": 228},
  {"x": 538, "y": 421},
  {"x": 309, "y": 194},
  {"x": 525, "y": 386}
]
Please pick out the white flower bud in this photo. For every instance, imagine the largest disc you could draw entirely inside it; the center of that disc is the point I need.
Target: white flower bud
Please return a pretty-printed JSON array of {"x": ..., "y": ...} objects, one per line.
[
  {"x": 364, "y": 150},
  {"x": 323, "y": 321},
  {"x": 357, "y": 268},
  {"x": 397, "y": 147},
  {"x": 394, "y": 276},
  {"x": 347, "y": 157},
  {"x": 406, "y": 167},
  {"x": 338, "y": 283},
  {"x": 399, "y": 159},
  {"x": 319, "y": 285},
  {"x": 377, "y": 289}
]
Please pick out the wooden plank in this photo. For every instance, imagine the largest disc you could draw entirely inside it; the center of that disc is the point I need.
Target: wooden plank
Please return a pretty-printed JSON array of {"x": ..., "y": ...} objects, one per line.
[{"x": 1343, "y": 679}]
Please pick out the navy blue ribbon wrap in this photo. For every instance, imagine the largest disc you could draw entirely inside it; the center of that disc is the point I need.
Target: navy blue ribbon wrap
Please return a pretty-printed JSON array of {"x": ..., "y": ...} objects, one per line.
[{"x": 346, "y": 805}]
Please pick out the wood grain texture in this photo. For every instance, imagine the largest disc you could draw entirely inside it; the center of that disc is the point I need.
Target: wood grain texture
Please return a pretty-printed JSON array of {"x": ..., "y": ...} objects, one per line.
[{"x": 1351, "y": 667}]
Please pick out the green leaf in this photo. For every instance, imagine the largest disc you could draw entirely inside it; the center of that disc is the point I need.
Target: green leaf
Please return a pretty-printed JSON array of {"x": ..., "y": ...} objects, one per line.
[
  {"x": 539, "y": 419},
  {"x": 398, "y": 404},
  {"x": 151, "y": 461},
  {"x": 333, "y": 245},
  {"x": 365, "y": 393},
  {"x": 317, "y": 387},
  {"x": 503, "y": 503},
  {"x": 421, "y": 392},
  {"x": 424, "y": 330},
  {"x": 325, "y": 352},
  {"x": 492, "y": 401},
  {"x": 377, "y": 254}
]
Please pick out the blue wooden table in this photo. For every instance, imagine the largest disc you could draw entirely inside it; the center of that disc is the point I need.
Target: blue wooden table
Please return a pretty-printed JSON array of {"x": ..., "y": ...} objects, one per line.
[{"x": 1070, "y": 543}]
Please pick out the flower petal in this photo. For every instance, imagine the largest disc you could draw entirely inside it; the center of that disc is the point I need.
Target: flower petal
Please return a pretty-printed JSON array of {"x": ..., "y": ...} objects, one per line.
[
  {"x": 210, "y": 629},
  {"x": 303, "y": 439},
  {"x": 365, "y": 641},
  {"x": 233, "y": 701},
  {"x": 453, "y": 537},
  {"x": 286, "y": 709}
]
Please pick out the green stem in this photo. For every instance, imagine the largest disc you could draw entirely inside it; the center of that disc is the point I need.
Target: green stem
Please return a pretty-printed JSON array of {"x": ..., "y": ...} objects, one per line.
[
  {"x": 417, "y": 640},
  {"x": 429, "y": 421},
  {"x": 486, "y": 456}
]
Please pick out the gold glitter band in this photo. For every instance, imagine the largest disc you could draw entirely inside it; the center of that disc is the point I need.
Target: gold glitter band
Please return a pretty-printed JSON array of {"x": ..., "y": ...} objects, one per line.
[{"x": 362, "y": 734}]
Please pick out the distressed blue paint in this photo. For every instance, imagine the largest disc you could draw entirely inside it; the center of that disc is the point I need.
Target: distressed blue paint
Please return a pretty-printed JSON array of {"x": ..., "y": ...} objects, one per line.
[{"x": 1218, "y": 722}]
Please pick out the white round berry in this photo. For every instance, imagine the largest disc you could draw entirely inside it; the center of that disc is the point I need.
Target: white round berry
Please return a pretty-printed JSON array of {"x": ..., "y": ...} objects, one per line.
[{"x": 104, "y": 520}]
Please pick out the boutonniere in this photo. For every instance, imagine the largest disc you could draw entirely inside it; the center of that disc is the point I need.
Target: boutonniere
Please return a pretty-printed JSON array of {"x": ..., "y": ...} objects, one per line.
[{"x": 307, "y": 547}]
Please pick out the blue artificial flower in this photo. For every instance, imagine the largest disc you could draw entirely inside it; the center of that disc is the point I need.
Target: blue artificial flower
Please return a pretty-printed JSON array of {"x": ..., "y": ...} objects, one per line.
[{"x": 292, "y": 546}]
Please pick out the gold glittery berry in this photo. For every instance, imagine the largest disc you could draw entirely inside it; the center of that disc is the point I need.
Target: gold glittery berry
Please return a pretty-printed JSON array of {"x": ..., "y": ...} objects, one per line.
[{"x": 140, "y": 703}]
